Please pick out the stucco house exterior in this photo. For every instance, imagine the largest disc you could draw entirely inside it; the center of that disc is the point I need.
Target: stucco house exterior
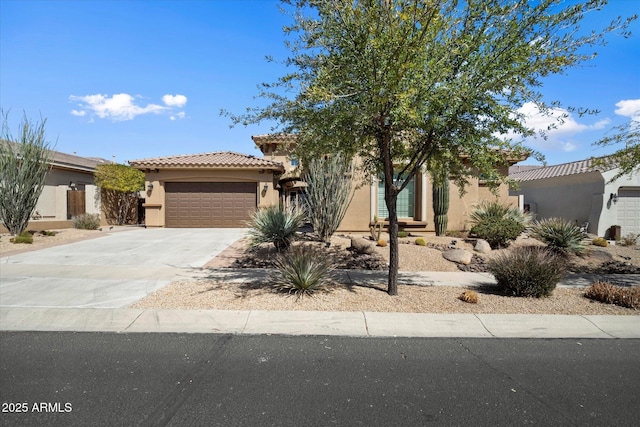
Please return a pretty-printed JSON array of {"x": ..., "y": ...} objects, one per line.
[
  {"x": 581, "y": 192},
  {"x": 69, "y": 190},
  {"x": 222, "y": 189}
]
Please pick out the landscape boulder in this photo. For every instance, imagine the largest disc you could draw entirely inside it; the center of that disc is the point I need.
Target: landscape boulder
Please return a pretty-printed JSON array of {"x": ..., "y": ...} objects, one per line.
[
  {"x": 362, "y": 246},
  {"x": 459, "y": 256},
  {"x": 482, "y": 246}
]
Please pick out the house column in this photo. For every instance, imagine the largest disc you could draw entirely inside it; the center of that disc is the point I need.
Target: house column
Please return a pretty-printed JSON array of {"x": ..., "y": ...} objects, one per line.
[
  {"x": 373, "y": 199},
  {"x": 423, "y": 196}
]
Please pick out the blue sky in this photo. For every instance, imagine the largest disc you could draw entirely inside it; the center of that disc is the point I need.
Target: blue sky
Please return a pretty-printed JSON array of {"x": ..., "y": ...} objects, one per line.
[{"x": 126, "y": 80}]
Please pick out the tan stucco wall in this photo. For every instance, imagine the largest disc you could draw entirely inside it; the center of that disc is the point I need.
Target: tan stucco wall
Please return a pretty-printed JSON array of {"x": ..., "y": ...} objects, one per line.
[
  {"x": 364, "y": 205},
  {"x": 155, "y": 200},
  {"x": 52, "y": 204}
]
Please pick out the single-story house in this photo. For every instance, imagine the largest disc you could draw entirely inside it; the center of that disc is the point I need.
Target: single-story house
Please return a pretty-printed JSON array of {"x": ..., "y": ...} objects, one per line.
[
  {"x": 222, "y": 189},
  {"x": 581, "y": 192},
  {"x": 69, "y": 190}
]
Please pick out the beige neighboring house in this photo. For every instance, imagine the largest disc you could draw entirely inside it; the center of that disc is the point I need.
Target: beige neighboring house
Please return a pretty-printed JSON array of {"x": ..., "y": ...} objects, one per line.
[
  {"x": 222, "y": 189},
  {"x": 69, "y": 190},
  {"x": 580, "y": 192}
]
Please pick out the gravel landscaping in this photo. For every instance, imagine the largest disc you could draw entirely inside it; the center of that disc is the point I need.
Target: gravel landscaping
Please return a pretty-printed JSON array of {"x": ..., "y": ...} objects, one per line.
[{"x": 212, "y": 294}]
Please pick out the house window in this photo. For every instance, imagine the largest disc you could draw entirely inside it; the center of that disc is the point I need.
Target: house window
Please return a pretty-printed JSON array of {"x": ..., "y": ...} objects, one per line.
[{"x": 405, "y": 204}]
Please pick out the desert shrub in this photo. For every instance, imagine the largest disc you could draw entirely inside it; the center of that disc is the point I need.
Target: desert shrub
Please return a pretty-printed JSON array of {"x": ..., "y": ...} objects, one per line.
[
  {"x": 421, "y": 242},
  {"x": 275, "y": 224},
  {"x": 610, "y": 294},
  {"x": 86, "y": 221},
  {"x": 302, "y": 271},
  {"x": 527, "y": 271},
  {"x": 469, "y": 296},
  {"x": 24, "y": 237},
  {"x": 48, "y": 233},
  {"x": 402, "y": 234},
  {"x": 599, "y": 241},
  {"x": 560, "y": 235},
  {"x": 631, "y": 239},
  {"x": 382, "y": 243},
  {"x": 498, "y": 232},
  {"x": 491, "y": 210}
]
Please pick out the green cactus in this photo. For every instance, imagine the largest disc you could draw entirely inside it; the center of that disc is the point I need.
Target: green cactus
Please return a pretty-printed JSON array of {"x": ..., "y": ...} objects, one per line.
[{"x": 441, "y": 204}]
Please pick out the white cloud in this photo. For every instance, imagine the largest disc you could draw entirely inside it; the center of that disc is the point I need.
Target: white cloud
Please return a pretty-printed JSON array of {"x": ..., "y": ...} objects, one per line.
[
  {"x": 180, "y": 115},
  {"x": 174, "y": 100},
  {"x": 558, "y": 125},
  {"x": 122, "y": 106},
  {"x": 629, "y": 108}
]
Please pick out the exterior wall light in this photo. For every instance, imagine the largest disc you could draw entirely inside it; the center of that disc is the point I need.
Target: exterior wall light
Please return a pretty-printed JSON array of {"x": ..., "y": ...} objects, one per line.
[
  {"x": 72, "y": 185},
  {"x": 265, "y": 188},
  {"x": 613, "y": 198},
  {"x": 150, "y": 187}
]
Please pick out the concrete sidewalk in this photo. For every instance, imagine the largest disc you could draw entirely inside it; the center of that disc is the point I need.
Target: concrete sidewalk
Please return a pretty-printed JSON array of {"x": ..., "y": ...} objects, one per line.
[{"x": 364, "y": 324}]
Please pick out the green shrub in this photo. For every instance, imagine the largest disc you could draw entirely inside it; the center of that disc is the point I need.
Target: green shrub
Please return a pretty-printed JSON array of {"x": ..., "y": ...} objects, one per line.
[
  {"x": 24, "y": 237},
  {"x": 86, "y": 221},
  {"x": 599, "y": 241},
  {"x": 48, "y": 233},
  {"x": 611, "y": 294},
  {"x": 421, "y": 242},
  {"x": 275, "y": 224},
  {"x": 498, "y": 232},
  {"x": 527, "y": 271},
  {"x": 560, "y": 236},
  {"x": 491, "y": 210},
  {"x": 402, "y": 234},
  {"x": 302, "y": 271}
]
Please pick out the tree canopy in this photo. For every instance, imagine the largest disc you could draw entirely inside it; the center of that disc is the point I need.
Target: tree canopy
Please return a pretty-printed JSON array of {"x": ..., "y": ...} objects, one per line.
[{"x": 402, "y": 82}]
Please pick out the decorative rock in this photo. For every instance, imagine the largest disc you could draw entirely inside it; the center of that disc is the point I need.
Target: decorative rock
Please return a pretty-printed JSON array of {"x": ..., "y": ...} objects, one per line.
[
  {"x": 459, "y": 256},
  {"x": 482, "y": 246},
  {"x": 361, "y": 246}
]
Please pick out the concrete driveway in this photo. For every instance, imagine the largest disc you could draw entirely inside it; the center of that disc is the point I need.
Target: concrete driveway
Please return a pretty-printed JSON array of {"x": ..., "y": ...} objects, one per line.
[{"x": 111, "y": 271}]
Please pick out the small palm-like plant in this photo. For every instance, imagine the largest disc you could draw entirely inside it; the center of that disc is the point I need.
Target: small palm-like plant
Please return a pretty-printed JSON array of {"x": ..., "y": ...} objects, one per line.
[
  {"x": 302, "y": 271},
  {"x": 560, "y": 235},
  {"x": 275, "y": 224}
]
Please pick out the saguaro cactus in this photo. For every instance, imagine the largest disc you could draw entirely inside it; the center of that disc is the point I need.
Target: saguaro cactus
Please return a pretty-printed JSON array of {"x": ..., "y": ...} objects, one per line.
[{"x": 441, "y": 203}]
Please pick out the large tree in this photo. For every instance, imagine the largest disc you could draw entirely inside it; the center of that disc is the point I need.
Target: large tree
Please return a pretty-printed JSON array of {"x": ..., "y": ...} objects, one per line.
[
  {"x": 24, "y": 165},
  {"x": 627, "y": 158},
  {"x": 400, "y": 82},
  {"x": 120, "y": 186}
]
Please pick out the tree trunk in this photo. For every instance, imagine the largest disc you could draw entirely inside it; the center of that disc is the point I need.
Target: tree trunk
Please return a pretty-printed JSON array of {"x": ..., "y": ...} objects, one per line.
[{"x": 391, "y": 198}]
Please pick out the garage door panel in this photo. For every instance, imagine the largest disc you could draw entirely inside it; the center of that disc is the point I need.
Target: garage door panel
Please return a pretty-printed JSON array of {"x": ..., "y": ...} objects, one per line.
[
  {"x": 210, "y": 204},
  {"x": 628, "y": 207}
]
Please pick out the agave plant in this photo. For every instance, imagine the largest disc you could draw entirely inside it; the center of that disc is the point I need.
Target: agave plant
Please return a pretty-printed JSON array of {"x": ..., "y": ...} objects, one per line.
[
  {"x": 302, "y": 271},
  {"x": 560, "y": 235},
  {"x": 275, "y": 224}
]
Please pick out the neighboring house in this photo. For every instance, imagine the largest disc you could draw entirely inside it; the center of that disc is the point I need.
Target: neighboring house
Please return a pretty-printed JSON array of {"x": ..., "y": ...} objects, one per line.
[
  {"x": 69, "y": 190},
  {"x": 222, "y": 189},
  {"x": 580, "y": 192}
]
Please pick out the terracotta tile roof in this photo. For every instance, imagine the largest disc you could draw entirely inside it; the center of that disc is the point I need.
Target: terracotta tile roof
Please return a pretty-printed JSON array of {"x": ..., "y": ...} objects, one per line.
[
  {"x": 564, "y": 169},
  {"x": 219, "y": 159}
]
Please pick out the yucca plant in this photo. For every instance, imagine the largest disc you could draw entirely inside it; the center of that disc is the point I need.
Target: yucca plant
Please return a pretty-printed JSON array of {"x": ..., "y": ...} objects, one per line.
[
  {"x": 302, "y": 271},
  {"x": 560, "y": 235},
  {"x": 527, "y": 271},
  {"x": 275, "y": 224},
  {"x": 491, "y": 210}
]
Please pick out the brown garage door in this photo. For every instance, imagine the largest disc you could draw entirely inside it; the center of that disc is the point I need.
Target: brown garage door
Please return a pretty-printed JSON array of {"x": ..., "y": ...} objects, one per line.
[{"x": 209, "y": 204}]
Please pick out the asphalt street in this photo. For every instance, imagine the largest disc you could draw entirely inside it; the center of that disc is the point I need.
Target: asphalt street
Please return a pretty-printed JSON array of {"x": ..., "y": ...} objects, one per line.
[{"x": 66, "y": 378}]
